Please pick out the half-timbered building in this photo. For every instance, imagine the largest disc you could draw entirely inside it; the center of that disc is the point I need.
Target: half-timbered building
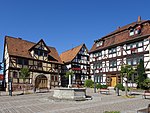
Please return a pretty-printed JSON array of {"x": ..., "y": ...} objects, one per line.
[
  {"x": 43, "y": 62},
  {"x": 126, "y": 45},
  {"x": 77, "y": 60}
]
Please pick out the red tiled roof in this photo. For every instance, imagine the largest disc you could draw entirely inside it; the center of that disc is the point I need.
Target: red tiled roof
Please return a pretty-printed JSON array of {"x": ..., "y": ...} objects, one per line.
[
  {"x": 19, "y": 47},
  {"x": 118, "y": 36},
  {"x": 69, "y": 55}
]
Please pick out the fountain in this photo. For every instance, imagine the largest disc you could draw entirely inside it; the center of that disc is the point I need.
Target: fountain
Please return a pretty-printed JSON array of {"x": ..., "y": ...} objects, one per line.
[{"x": 70, "y": 93}]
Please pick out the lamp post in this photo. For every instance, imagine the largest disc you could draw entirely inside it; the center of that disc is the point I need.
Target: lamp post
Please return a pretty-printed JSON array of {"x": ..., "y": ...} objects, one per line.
[
  {"x": 125, "y": 79},
  {"x": 94, "y": 80},
  {"x": 94, "y": 69},
  {"x": 10, "y": 86},
  {"x": 59, "y": 75}
]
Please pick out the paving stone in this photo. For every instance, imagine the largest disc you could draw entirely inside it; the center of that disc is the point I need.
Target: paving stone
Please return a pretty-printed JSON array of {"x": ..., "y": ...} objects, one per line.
[{"x": 42, "y": 103}]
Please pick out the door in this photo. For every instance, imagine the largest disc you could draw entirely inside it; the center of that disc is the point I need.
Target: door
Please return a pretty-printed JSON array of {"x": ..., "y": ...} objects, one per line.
[
  {"x": 41, "y": 81},
  {"x": 113, "y": 81}
]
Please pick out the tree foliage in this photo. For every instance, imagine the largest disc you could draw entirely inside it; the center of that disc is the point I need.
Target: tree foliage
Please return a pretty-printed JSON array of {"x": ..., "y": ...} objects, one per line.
[
  {"x": 24, "y": 73},
  {"x": 146, "y": 83},
  {"x": 141, "y": 74},
  {"x": 127, "y": 71},
  {"x": 70, "y": 72}
]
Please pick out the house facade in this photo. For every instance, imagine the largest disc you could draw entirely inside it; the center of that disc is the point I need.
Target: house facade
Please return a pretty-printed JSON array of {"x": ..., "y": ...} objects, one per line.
[
  {"x": 43, "y": 62},
  {"x": 77, "y": 60},
  {"x": 126, "y": 45}
]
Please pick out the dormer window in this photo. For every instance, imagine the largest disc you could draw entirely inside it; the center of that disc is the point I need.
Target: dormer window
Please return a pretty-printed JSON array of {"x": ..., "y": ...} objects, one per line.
[
  {"x": 134, "y": 31},
  {"x": 100, "y": 43},
  {"x": 131, "y": 32},
  {"x": 138, "y": 30}
]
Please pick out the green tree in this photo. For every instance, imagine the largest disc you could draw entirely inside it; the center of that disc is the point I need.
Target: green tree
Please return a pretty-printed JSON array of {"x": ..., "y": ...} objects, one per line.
[
  {"x": 70, "y": 72},
  {"x": 146, "y": 83},
  {"x": 126, "y": 72},
  {"x": 141, "y": 74},
  {"x": 24, "y": 74}
]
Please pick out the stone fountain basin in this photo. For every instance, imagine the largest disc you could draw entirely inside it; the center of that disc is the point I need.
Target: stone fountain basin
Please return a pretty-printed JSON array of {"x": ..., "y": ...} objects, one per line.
[{"x": 70, "y": 93}]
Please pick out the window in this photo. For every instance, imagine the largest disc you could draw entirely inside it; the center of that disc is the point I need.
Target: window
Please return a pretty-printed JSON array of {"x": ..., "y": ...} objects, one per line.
[
  {"x": 99, "y": 53},
  {"x": 99, "y": 65},
  {"x": 112, "y": 50},
  {"x": 19, "y": 61},
  {"x": 140, "y": 44},
  {"x": 131, "y": 32},
  {"x": 129, "y": 61},
  {"x": 79, "y": 56},
  {"x": 134, "y": 61},
  {"x": 100, "y": 43},
  {"x": 45, "y": 54},
  {"x": 39, "y": 64},
  {"x": 25, "y": 62},
  {"x": 14, "y": 74},
  {"x": 41, "y": 53},
  {"x": 146, "y": 41},
  {"x": 56, "y": 78},
  {"x": 129, "y": 46},
  {"x": 140, "y": 58},
  {"x": 138, "y": 30},
  {"x": 134, "y": 45},
  {"x": 36, "y": 52},
  {"x": 52, "y": 78},
  {"x": 113, "y": 64},
  {"x": 134, "y": 31}
]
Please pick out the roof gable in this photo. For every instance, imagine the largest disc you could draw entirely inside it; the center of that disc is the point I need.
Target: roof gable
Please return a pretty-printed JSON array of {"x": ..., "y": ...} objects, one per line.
[
  {"x": 20, "y": 48},
  {"x": 69, "y": 55},
  {"x": 119, "y": 36},
  {"x": 40, "y": 45}
]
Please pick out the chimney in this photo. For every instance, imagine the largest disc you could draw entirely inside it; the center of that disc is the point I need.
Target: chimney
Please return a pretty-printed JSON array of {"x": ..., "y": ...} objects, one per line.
[
  {"x": 118, "y": 27},
  {"x": 139, "y": 18}
]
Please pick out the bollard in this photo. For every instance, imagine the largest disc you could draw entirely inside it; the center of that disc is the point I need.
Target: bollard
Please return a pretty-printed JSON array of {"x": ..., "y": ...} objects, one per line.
[{"x": 117, "y": 90}]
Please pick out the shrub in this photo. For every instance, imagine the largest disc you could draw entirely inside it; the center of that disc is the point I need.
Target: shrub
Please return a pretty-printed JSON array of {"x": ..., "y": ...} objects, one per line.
[
  {"x": 88, "y": 83},
  {"x": 120, "y": 86},
  {"x": 98, "y": 86},
  {"x": 104, "y": 86},
  {"x": 146, "y": 83}
]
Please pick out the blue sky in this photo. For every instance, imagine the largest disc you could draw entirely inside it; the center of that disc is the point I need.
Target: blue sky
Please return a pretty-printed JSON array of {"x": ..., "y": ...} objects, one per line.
[{"x": 67, "y": 23}]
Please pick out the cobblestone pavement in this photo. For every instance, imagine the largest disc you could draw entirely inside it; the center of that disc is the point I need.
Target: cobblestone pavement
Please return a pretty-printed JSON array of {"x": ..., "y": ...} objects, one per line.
[{"x": 42, "y": 103}]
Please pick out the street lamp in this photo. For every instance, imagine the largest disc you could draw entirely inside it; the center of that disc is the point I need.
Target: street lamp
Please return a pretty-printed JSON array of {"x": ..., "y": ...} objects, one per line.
[
  {"x": 94, "y": 68},
  {"x": 10, "y": 86},
  {"x": 125, "y": 79},
  {"x": 94, "y": 80}
]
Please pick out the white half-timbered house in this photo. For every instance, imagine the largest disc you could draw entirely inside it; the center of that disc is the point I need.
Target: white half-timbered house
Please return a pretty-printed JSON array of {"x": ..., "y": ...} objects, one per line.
[
  {"x": 42, "y": 61},
  {"x": 126, "y": 45},
  {"x": 77, "y": 59}
]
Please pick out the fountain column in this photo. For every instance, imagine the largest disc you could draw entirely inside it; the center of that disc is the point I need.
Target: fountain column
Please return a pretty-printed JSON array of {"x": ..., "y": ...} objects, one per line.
[{"x": 69, "y": 85}]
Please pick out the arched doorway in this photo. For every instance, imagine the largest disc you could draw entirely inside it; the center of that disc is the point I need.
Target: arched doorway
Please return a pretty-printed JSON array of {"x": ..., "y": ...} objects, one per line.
[{"x": 41, "y": 81}]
